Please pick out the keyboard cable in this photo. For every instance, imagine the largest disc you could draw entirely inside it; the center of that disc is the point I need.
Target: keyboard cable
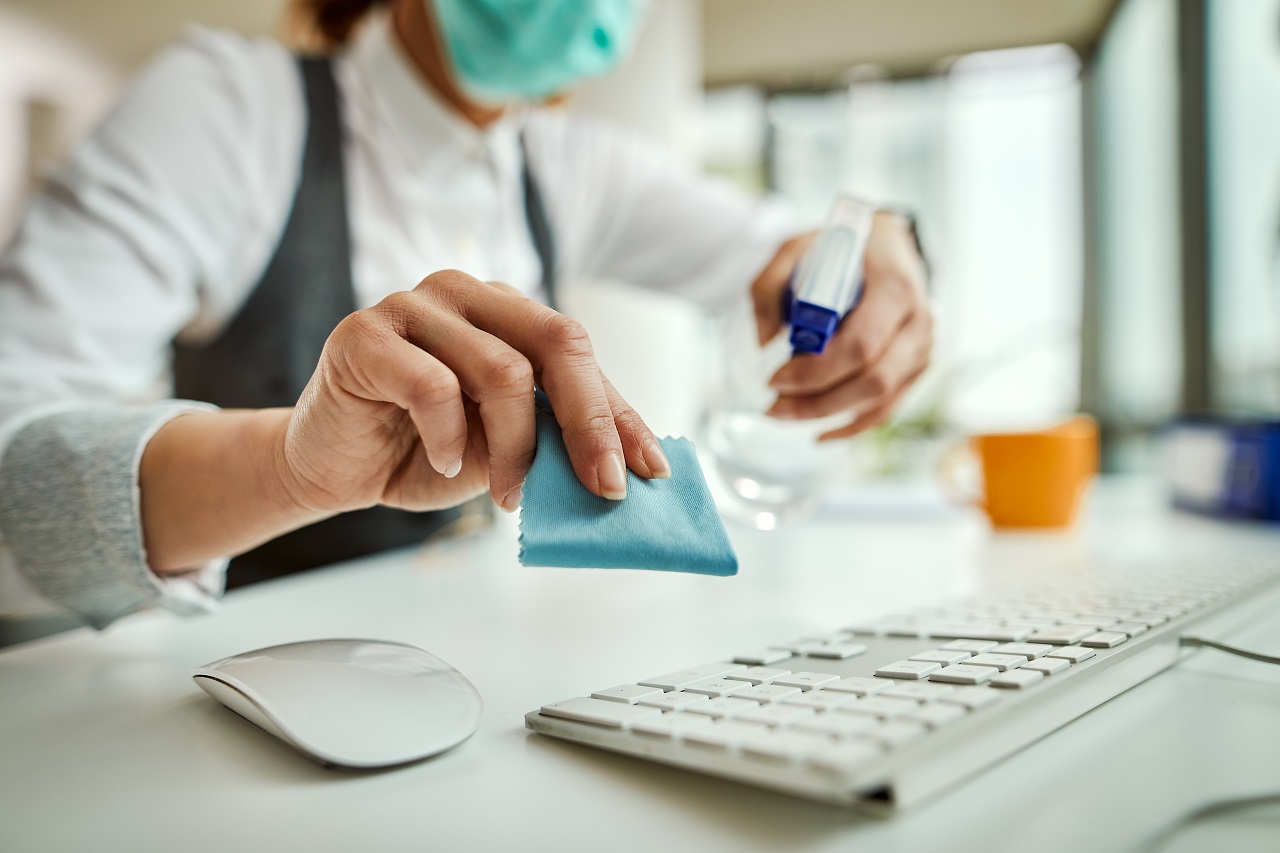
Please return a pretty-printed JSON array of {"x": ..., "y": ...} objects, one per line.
[
  {"x": 1201, "y": 642},
  {"x": 1219, "y": 808}
]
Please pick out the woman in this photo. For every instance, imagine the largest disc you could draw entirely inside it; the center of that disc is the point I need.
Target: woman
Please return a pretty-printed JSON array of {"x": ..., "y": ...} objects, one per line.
[{"x": 259, "y": 218}]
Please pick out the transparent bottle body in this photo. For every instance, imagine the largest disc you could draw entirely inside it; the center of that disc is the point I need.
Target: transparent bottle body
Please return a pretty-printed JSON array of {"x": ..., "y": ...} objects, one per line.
[{"x": 768, "y": 470}]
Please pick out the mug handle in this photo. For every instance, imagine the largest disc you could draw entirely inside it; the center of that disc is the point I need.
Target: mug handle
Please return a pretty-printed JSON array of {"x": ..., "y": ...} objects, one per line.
[{"x": 952, "y": 461}]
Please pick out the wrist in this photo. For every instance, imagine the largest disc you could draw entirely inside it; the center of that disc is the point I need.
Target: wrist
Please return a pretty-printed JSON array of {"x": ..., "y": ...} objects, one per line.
[{"x": 291, "y": 493}]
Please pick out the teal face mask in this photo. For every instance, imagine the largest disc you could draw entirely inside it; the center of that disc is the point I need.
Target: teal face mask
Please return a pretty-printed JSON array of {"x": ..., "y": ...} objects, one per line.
[{"x": 529, "y": 49}]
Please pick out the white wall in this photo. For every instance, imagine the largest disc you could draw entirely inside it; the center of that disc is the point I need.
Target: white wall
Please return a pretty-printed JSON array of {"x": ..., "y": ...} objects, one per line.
[
  {"x": 41, "y": 65},
  {"x": 650, "y": 345}
]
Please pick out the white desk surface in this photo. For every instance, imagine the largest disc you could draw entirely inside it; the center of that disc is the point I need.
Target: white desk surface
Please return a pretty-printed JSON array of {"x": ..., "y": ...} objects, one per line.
[{"x": 106, "y": 744}]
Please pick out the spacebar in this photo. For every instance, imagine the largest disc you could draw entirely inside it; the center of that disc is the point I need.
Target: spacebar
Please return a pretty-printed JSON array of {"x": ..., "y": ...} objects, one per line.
[{"x": 614, "y": 714}]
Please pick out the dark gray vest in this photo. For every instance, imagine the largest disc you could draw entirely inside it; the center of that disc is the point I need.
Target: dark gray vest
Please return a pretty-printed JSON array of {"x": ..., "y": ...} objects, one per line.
[{"x": 267, "y": 353}]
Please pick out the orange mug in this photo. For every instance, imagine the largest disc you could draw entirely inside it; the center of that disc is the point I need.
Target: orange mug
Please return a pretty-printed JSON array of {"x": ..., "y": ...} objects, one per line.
[{"x": 1033, "y": 479}]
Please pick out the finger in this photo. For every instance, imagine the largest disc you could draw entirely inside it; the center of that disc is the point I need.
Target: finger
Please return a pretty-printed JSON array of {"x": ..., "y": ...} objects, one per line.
[
  {"x": 640, "y": 446},
  {"x": 490, "y": 372},
  {"x": 565, "y": 368},
  {"x": 866, "y": 420},
  {"x": 862, "y": 339},
  {"x": 768, "y": 288},
  {"x": 906, "y": 358},
  {"x": 388, "y": 368}
]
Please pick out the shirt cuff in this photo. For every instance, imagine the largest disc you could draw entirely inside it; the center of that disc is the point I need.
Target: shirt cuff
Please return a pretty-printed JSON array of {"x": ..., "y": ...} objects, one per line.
[{"x": 70, "y": 512}]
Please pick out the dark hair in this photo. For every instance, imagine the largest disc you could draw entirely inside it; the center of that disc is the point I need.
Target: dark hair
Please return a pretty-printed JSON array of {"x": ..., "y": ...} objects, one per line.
[{"x": 329, "y": 23}]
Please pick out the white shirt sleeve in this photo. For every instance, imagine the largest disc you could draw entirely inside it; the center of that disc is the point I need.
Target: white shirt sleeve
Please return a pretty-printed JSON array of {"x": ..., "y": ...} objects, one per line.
[
  {"x": 162, "y": 222},
  {"x": 622, "y": 210}
]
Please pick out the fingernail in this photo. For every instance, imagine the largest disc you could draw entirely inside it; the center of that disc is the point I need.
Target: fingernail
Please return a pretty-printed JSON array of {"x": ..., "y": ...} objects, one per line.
[
  {"x": 512, "y": 501},
  {"x": 452, "y": 470},
  {"x": 782, "y": 383},
  {"x": 782, "y": 410},
  {"x": 613, "y": 477},
  {"x": 657, "y": 461}
]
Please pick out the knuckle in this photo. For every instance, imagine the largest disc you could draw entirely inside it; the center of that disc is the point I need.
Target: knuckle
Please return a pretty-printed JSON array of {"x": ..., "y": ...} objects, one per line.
[
  {"x": 567, "y": 334},
  {"x": 449, "y": 286},
  {"x": 508, "y": 371},
  {"x": 592, "y": 427},
  {"x": 434, "y": 389},
  {"x": 876, "y": 384},
  {"x": 859, "y": 349},
  {"x": 397, "y": 308},
  {"x": 355, "y": 329}
]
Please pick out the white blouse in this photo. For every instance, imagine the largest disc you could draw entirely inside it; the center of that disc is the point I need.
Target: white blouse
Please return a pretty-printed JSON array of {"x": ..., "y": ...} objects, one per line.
[{"x": 167, "y": 215}]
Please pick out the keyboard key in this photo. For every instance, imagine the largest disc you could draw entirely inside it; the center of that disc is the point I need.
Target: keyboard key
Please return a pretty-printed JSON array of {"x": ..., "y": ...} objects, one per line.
[
  {"x": 838, "y": 651},
  {"x": 716, "y": 687},
  {"x": 762, "y": 657},
  {"x": 628, "y": 693},
  {"x": 1061, "y": 635},
  {"x": 1000, "y": 662},
  {"x": 1072, "y": 654},
  {"x": 776, "y": 715},
  {"x": 725, "y": 735},
  {"x": 964, "y": 674},
  {"x": 974, "y": 698},
  {"x": 839, "y": 726},
  {"x": 672, "y": 726},
  {"x": 672, "y": 701},
  {"x": 806, "y": 680},
  {"x": 1000, "y": 633},
  {"x": 973, "y": 647},
  {"x": 831, "y": 637},
  {"x": 757, "y": 674},
  {"x": 936, "y": 716},
  {"x": 912, "y": 670},
  {"x": 881, "y": 706},
  {"x": 942, "y": 656},
  {"x": 1049, "y": 666},
  {"x": 1151, "y": 618},
  {"x": 767, "y": 693},
  {"x": 795, "y": 646},
  {"x": 919, "y": 691},
  {"x": 723, "y": 707},
  {"x": 847, "y": 757},
  {"x": 898, "y": 733},
  {"x": 1017, "y": 679},
  {"x": 820, "y": 700},
  {"x": 616, "y": 715},
  {"x": 1133, "y": 629},
  {"x": 678, "y": 680},
  {"x": 1030, "y": 651},
  {"x": 1098, "y": 621},
  {"x": 786, "y": 746},
  {"x": 1104, "y": 640},
  {"x": 903, "y": 629},
  {"x": 1115, "y": 612},
  {"x": 860, "y": 685}
]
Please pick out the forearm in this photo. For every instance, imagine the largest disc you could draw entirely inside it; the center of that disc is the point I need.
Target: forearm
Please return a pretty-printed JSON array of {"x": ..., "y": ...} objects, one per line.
[{"x": 212, "y": 484}]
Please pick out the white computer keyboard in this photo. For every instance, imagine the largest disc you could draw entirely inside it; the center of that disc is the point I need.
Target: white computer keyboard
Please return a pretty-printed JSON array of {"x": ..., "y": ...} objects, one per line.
[{"x": 893, "y": 710}]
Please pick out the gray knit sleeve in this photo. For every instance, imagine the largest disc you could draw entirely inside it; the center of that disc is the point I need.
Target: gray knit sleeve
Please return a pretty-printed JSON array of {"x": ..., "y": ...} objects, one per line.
[{"x": 70, "y": 513}]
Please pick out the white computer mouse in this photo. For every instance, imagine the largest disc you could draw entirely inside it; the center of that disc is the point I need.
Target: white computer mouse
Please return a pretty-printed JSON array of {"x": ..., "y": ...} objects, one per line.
[{"x": 350, "y": 703}]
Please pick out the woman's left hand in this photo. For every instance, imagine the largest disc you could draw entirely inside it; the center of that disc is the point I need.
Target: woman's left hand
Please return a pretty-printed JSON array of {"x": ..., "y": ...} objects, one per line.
[{"x": 878, "y": 351}]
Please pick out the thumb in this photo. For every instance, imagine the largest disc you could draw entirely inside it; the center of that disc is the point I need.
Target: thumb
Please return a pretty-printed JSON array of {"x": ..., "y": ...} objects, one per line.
[{"x": 769, "y": 287}]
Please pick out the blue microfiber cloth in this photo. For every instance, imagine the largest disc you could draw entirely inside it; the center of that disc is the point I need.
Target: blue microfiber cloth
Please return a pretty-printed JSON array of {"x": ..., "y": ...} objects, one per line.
[{"x": 668, "y": 525}]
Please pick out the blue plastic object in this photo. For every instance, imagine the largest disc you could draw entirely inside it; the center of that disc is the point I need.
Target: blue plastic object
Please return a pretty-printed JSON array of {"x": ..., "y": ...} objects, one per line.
[
  {"x": 827, "y": 284},
  {"x": 1224, "y": 466},
  {"x": 665, "y": 525}
]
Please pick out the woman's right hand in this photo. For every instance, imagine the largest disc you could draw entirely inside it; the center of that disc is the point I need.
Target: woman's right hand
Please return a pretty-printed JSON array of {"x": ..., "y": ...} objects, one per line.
[{"x": 426, "y": 399}]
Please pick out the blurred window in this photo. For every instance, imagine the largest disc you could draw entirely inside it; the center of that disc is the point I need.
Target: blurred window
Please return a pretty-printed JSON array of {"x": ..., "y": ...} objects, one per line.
[
  {"x": 1135, "y": 223},
  {"x": 988, "y": 157},
  {"x": 1244, "y": 202}
]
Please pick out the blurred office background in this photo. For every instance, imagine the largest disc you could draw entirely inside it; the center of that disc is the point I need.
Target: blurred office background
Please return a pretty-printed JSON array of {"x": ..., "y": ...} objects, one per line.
[{"x": 1097, "y": 181}]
